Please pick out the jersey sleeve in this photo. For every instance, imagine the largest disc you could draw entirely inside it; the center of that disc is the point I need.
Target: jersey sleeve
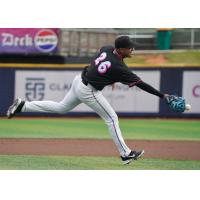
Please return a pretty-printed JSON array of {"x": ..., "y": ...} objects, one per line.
[
  {"x": 126, "y": 76},
  {"x": 148, "y": 88}
]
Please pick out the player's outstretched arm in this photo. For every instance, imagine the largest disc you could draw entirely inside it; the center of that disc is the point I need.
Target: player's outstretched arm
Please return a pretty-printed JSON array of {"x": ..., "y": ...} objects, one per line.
[
  {"x": 148, "y": 88},
  {"x": 175, "y": 103}
]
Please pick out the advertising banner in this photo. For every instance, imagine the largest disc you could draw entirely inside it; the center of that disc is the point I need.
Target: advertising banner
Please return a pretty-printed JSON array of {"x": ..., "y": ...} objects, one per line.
[
  {"x": 28, "y": 40},
  {"x": 53, "y": 85},
  {"x": 191, "y": 89}
]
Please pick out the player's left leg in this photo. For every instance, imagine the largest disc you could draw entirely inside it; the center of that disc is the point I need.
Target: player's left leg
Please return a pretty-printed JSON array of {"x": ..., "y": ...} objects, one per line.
[{"x": 68, "y": 103}]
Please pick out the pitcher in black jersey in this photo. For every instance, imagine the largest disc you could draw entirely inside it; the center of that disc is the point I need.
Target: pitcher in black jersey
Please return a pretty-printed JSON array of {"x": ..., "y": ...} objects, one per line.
[
  {"x": 108, "y": 68},
  {"x": 105, "y": 69}
]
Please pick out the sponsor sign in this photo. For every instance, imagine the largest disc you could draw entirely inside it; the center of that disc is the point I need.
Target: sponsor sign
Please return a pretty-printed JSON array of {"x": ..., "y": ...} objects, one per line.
[
  {"x": 28, "y": 40},
  {"x": 54, "y": 85},
  {"x": 191, "y": 90}
]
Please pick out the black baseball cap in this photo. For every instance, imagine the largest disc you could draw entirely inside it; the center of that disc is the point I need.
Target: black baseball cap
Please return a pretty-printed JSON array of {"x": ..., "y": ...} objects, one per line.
[{"x": 123, "y": 42}]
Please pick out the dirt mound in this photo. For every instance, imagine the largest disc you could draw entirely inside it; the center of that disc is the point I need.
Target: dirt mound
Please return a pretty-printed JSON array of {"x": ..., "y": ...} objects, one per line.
[{"x": 155, "y": 59}]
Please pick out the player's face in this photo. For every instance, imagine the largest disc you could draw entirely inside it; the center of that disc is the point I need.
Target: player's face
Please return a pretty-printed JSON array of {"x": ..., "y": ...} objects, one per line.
[{"x": 126, "y": 52}]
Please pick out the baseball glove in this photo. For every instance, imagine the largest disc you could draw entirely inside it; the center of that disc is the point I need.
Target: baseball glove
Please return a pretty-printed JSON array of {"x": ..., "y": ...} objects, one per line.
[{"x": 177, "y": 104}]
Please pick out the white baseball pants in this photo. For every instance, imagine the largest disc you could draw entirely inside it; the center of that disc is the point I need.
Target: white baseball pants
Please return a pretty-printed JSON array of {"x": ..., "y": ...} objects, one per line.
[{"x": 80, "y": 93}]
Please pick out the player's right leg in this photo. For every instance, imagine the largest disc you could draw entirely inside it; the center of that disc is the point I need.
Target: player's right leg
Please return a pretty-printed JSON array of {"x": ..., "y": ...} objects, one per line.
[
  {"x": 102, "y": 107},
  {"x": 68, "y": 103},
  {"x": 106, "y": 112},
  {"x": 95, "y": 100}
]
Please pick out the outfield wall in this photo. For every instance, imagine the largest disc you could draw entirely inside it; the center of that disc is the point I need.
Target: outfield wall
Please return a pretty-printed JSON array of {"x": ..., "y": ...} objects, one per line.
[{"x": 53, "y": 81}]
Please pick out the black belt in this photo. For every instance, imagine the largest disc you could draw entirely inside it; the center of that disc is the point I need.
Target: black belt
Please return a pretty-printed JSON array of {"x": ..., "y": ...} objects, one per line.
[{"x": 84, "y": 82}]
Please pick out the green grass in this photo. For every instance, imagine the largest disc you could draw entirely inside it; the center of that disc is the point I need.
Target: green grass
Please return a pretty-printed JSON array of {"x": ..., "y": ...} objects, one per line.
[
  {"x": 145, "y": 129},
  {"x": 185, "y": 57},
  {"x": 90, "y": 163}
]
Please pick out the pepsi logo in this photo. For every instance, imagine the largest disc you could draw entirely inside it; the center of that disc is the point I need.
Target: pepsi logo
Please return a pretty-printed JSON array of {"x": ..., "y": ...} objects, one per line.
[{"x": 46, "y": 40}]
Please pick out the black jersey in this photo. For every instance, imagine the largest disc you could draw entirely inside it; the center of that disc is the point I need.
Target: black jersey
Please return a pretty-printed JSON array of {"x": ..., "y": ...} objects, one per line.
[{"x": 107, "y": 68}]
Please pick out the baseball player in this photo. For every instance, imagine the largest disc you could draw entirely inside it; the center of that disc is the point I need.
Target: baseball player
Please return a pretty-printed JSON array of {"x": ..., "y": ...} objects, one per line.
[{"x": 106, "y": 68}]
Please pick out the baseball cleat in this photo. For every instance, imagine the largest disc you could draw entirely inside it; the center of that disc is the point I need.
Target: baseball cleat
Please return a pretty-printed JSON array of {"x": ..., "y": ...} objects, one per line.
[
  {"x": 15, "y": 108},
  {"x": 134, "y": 155}
]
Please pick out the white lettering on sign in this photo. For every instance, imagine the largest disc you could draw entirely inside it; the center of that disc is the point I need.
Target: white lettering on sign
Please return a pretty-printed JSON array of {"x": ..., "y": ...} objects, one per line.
[{"x": 9, "y": 39}]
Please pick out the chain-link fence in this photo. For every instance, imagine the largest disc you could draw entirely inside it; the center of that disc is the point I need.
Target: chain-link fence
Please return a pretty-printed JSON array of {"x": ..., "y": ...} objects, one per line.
[{"x": 186, "y": 39}]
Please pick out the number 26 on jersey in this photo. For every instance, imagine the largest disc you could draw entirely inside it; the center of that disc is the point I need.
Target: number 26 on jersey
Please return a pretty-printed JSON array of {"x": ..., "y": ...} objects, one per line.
[{"x": 102, "y": 65}]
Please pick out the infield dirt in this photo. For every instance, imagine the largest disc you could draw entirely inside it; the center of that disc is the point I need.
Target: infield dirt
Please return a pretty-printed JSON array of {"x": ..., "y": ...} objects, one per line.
[{"x": 181, "y": 150}]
